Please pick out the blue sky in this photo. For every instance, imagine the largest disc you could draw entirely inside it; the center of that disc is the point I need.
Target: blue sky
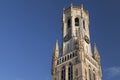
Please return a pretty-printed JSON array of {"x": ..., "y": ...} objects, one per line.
[{"x": 29, "y": 29}]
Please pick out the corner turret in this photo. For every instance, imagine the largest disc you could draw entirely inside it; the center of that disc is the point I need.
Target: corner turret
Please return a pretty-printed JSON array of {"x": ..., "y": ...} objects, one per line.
[
  {"x": 55, "y": 56},
  {"x": 56, "y": 50}
]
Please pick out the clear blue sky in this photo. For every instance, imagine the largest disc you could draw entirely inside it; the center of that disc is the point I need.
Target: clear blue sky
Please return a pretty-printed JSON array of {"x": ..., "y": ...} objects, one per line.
[{"x": 29, "y": 29}]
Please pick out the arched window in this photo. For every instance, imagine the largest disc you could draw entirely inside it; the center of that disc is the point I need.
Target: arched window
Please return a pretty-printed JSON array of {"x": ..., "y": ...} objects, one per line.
[
  {"x": 69, "y": 23},
  {"x": 63, "y": 73},
  {"x": 70, "y": 72},
  {"x": 76, "y": 21}
]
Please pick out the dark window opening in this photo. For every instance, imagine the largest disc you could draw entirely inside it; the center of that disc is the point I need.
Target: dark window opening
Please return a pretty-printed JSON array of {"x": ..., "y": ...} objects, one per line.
[
  {"x": 70, "y": 55},
  {"x": 73, "y": 54},
  {"x": 65, "y": 58},
  {"x": 69, "y": 23},
  {"x": 63, "y": 73},
  {"x": 84, "y": 24},
  {"x": 76, "y": 22},
  {"x": 70, "y": 72}
]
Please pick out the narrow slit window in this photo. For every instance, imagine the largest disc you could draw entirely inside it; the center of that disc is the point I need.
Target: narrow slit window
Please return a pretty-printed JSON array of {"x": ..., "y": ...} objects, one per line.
[
  {"x": 69, "y": 23},
  {"x": 84, "y": 24},
  {"x": 63, "y": 73},
  {"x": 70, "y": 72}
]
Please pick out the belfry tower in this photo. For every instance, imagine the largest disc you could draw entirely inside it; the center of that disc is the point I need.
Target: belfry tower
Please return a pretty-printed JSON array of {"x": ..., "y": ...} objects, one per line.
[{"x": 75, "y": 60}]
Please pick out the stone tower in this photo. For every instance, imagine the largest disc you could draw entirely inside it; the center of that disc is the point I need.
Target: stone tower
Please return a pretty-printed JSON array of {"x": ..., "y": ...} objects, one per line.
[{"x": 75, "y": 60}]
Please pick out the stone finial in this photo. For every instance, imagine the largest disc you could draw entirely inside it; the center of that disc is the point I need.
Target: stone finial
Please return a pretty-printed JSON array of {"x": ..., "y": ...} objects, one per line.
[
  {"x": 96, "y": 50},
  {"x": 55, "y": 56},
  {"x": 56, "y": 45}
]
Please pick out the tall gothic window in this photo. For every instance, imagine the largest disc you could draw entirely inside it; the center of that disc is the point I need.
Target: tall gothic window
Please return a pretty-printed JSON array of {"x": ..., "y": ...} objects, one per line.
[
  {"x": 70, "y": 72},
  {"x": 69, "y": 23},
  {"x": 76, "y": 21},
  {"x": 63, "y": 73}
]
